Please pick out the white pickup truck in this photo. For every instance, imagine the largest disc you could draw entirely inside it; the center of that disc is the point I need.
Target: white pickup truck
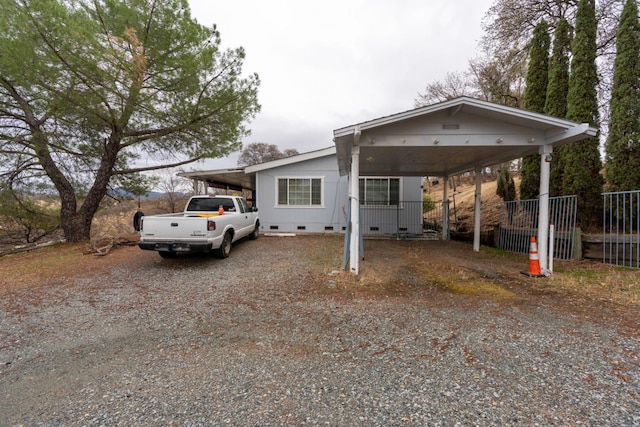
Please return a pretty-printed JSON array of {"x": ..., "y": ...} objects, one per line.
[{"x": 209, "y": 223}]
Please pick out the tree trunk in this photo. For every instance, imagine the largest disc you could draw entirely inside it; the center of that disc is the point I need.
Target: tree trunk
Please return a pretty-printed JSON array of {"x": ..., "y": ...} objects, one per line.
[
  {"x": 76, "y": 222},
  {"x": 77, "y": 225},
  {"x": 77, "y": 228}
]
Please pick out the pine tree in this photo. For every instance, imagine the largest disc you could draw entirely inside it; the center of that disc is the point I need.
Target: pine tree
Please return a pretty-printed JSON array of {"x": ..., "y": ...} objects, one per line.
[
  {"x": 556, "y": 103},
  {"x": 87, "y": 87},
  {"x": 535, "y": 97},
  {"x": 623, "y": 143},
  {"x": 582, "y": 159}
]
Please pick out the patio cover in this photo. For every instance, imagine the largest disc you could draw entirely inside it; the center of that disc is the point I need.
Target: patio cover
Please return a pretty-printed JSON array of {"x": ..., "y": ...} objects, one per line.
[
  {"x": 445, "y": 139},
  {"x": 232, "y": 179}
]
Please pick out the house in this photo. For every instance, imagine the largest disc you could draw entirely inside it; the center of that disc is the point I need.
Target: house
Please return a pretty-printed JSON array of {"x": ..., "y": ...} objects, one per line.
[
  {"x": 373, "y": 166},
  {"x": 306, "y": 194}
]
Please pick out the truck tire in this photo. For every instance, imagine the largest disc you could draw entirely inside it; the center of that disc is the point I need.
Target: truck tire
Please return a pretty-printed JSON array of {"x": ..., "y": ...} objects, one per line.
[
  {"x": 255, "y": 233},
  {"x": 225, "y": 248},
  {"x": 166, "y": 255},
  {"x": 136, "y": 220}
]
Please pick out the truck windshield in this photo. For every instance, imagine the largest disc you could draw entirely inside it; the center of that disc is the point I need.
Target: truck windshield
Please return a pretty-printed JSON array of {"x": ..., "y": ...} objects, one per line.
[{"x": 210, "y": 204}]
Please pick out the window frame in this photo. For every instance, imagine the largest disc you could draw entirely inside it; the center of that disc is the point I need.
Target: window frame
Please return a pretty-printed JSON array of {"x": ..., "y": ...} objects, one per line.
[
  {"x": 363, "y": 191},
  {"x": 304, "y": 206}
]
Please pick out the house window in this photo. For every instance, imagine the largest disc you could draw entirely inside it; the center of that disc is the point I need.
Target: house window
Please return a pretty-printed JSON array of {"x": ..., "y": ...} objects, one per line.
[
  {"x": 379, "y": 191},
  {"x": 300, "y": 191}
]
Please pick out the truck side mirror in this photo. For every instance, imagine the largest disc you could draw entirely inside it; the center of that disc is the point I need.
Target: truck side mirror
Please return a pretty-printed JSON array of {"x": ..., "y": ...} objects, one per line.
[{"x": 254, "y": 209}]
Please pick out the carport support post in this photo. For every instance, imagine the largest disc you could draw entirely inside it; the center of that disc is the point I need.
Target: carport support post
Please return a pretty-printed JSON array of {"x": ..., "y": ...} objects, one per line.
[
  {"x": 354, "y": 195},
  {"x": 445, "y": 208},
  {"x": 476, "y": 210},
  {"x": 543, "y": 211}
]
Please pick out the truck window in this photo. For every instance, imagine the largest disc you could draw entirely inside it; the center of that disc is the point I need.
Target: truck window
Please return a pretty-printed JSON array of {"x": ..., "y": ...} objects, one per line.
[
  {"x": 209, "y": 204},
  {"x": 244, "y": 206}
]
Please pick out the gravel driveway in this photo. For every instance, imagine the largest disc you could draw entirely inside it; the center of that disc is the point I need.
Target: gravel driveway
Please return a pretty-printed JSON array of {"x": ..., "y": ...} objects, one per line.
[{"x": 273, "y": 336}]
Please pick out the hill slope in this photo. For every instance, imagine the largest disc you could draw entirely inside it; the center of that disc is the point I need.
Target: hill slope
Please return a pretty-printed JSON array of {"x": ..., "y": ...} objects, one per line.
[{"x": 463, "y": 200}]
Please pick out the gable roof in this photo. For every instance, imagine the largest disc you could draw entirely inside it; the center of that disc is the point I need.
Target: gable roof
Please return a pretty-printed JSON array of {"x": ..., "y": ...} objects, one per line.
[
  {"x": 451, "y": 137},
  {"x": 329, "y": 151}
]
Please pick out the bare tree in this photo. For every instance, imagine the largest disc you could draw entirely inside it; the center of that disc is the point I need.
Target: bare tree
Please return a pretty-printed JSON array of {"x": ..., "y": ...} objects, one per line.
[
  {"x": 176, "y": 191},
  {"x": 453, "y": 85},
  {"x": 260, "y": 152}
]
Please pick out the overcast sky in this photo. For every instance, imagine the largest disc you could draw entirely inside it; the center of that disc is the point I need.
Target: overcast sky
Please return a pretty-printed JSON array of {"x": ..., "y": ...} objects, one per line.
[{"x": 328, "y": 64}]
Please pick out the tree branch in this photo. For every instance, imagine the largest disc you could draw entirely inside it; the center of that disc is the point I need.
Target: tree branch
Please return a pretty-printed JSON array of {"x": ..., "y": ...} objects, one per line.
[{"x": 152, "y": 168}]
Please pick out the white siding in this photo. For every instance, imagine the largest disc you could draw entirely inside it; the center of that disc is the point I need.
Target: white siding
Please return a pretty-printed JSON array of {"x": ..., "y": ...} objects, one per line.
[
  {"x": 405, "y": 218},
  {"x": 327, "y": 218}
]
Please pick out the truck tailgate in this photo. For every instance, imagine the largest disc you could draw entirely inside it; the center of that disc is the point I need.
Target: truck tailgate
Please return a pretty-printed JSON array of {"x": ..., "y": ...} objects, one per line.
[{"x": 174, "y": 228}]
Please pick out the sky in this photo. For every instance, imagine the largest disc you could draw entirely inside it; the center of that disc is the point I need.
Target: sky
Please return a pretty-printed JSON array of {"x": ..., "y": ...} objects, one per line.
[{"x": 324, "y": 65}]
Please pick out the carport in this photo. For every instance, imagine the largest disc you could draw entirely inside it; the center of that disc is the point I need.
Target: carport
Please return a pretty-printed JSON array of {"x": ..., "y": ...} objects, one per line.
[
  {"x": 446, "y": 139},
  {"x": 228, "y": 179}
]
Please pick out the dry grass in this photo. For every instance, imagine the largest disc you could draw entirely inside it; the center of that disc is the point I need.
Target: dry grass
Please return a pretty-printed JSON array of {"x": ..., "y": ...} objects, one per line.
[
  {"x": 52, "y": 264},
  {"x": 599, "y": 281},
  {"x": 408, "y": 268},
  {"x": 115, "y": 221},
  {"x": 463, "y": 200}
]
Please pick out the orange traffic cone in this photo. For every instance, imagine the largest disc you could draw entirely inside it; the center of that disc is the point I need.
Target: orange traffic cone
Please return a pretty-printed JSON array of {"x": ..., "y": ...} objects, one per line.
[{"x": 534, "y": 260}]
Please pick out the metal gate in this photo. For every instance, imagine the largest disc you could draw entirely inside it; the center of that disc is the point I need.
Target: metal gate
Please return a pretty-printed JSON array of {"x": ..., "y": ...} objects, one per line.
[
  {"x": 411, "y": 219},
  {"x": 519, "y": 221},
  {"x": 621, "y": 228}
]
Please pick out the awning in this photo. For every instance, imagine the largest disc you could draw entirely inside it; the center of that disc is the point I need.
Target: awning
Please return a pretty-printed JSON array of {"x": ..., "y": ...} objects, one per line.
[{"x": 232, "y": 179}]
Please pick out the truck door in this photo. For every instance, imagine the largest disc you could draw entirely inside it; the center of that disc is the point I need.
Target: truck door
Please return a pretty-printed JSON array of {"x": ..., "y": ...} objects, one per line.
[{"x": 247, "y": 217}]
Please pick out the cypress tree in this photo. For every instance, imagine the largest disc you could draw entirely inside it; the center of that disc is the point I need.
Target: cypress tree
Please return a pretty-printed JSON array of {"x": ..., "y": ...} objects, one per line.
[
  {"x": 535, "y": 97},
  {"x": 622, "y": 169},
  {"x": 506, "y": 188},
  {"x": 582, "y": 159},
  {"x": 556, "y": 103}
]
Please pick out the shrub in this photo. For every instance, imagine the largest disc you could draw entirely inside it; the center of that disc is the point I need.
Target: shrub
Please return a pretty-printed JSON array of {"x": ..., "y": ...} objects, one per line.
[{"x": 427, "y": 204}]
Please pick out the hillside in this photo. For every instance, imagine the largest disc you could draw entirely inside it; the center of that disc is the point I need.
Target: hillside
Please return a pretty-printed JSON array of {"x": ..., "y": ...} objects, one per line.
[{"x": 463, "y": 199}]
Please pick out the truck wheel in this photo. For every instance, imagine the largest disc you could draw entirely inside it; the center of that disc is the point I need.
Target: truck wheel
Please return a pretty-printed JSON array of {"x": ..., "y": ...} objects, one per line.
[
  {"x": 136, "y": 220},
  {"x": 166, "y": 255},
  {"x": 225, "y": 248},
  {"x": 255, "y": 233}
]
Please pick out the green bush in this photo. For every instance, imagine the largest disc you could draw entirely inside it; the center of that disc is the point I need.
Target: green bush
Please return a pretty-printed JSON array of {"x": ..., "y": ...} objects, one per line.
[
  {"x": 427, "y": 204},
  {"x": 25, "y": 219}
]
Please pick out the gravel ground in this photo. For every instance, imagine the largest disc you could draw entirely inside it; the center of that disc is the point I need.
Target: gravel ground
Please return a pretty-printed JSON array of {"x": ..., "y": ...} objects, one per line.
[{"x": 273, "y": 336}]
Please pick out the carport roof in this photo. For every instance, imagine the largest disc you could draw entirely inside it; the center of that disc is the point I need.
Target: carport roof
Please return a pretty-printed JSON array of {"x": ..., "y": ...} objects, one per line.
[
  {"x": 233, "y": 179},
  {"x": 451, "y": 137}
]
